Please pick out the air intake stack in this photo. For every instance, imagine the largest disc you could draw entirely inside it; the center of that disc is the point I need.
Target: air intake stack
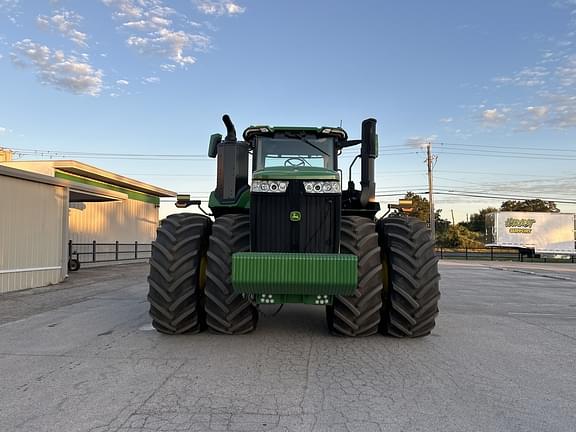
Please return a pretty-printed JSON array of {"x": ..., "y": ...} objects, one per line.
[
  {"x": 232, "y": 172},
  {"x": 368, "y": 153}
]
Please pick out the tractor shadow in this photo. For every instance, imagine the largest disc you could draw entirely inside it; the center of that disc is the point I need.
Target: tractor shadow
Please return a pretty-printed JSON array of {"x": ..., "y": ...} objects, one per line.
[{"x": 293, "y": 319}]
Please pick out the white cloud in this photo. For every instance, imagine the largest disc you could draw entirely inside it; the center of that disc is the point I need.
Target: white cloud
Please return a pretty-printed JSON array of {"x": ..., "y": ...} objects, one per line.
[
  {"x": 170, "y": 44},
  {"x": 66, "y": 23},
  {"x": 70, "y": 73},
  {"x": 446, "y": 120},
  {"x": 150, "y": 80},
  {"x": 11, "y": 8},
  {"x": 532, "y": 119},
  {"x": 219, "y": 7},
  {"x": 537, "y": 111},
  {"x": 563, "y": 112},
  {"x": 420, "y": 142},
  {"x": 126, "y": 8},
  {"x": 122, "y": 82},
  {"x": 9, "y": 5},
  {"x": 553, "y": 96},
  {"x": 527, "y": 77},
  {"x": 157, "y": 30},
  {"x": 493, "y": 116},
  {"x": 566, "y": 72},
  {"x": 168, "y": 67},
  {"x": 4, "y": 131}
]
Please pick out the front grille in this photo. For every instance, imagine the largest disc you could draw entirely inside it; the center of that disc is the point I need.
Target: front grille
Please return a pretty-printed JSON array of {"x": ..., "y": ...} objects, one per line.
[{"x": 318, "y": 231}]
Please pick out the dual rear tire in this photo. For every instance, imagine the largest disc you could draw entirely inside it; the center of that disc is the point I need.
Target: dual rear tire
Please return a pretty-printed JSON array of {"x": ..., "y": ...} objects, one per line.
[
  {"x": 190, "y": 275},
  {"x": 411, "y": 279},
  {"x": 398, "y": 279}
]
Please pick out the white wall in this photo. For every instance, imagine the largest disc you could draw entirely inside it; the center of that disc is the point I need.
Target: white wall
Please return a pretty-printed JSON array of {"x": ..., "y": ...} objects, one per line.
[
  {"x": 32, "y": 226},
  {"x": 124, "y": 221}
]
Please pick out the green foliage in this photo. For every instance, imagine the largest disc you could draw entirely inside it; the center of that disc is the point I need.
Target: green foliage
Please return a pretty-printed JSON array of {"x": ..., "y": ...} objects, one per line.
[
  {"x": 477, "y": 221},
  {"x": 421, "y": 209},
  {"x": 458, "y": 236},
  {"x": 533, "y": 205}
]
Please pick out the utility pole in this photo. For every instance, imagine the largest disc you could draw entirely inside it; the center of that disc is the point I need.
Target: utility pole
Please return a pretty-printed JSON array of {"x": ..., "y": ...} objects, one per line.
[{"x": 431, "y": 192}]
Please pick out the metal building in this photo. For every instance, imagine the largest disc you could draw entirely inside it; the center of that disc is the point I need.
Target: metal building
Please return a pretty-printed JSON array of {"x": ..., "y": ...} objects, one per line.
[
  {"x": 47, "y": 204},
  {"x": 34, "y": 226}
]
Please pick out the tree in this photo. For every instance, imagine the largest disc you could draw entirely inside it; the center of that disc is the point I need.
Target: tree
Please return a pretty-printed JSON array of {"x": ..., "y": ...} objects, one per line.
[
  {"x": 533, "y": 205},
  {"x": 477, "y": 221},
  {"x": 421, "y": 210},
  {"x": 421, "y": 207}
]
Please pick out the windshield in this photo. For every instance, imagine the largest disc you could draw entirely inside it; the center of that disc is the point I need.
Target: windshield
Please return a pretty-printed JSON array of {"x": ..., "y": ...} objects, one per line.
[{"x": 307, "y": 151}]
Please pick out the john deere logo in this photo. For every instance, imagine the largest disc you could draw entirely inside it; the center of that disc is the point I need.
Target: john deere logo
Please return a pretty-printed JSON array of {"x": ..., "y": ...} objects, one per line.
[{"x": 295, "y": 216}]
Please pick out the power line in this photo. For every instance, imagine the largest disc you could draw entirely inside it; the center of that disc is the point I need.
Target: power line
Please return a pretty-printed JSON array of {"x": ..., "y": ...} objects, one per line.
[
  {"x": 505, "y": 147},
  {"x": 518, "y": 156},
  {"x": 516, "y": 198},
  {"x": 66, "y": 152}
]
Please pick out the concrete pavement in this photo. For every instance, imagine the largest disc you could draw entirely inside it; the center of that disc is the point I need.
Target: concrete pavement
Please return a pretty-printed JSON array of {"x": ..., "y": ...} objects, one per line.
[{"x": 82, "y": 356}]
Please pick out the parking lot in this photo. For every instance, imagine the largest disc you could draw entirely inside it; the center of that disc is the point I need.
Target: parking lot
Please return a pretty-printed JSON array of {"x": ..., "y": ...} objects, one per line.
[{"x": 82, "y": 356}]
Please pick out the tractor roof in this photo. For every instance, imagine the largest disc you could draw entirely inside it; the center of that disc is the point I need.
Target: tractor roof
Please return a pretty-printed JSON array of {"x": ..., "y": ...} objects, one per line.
[{"x": 271, "y": 130}]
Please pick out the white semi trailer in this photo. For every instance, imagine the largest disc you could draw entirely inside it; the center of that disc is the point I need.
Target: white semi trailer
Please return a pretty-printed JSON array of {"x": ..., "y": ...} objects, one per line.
[{"x": 532, "y": 233}]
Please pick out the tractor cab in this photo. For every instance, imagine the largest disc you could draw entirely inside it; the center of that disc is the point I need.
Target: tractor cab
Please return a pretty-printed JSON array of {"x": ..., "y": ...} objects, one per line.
[
  {"x": 294, "y": 148},
  {"x": 280, "y": 154}
]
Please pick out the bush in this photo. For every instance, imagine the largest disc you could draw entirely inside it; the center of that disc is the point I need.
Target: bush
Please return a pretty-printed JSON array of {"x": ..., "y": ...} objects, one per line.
[{"x": 457, "y": 236}]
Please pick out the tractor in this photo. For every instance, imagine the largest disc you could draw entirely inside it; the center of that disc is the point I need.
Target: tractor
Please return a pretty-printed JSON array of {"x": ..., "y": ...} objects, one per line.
[{"x": 293, "y": 234}]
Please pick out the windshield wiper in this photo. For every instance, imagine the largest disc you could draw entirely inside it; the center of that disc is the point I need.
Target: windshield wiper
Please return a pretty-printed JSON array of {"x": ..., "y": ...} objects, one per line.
[{"x": 307, "y": 141}]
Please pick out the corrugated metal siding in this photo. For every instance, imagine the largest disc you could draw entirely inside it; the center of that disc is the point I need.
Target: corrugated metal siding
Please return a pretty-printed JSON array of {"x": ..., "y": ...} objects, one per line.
[
  {"x": 31, "y": 225},
  {"x": 123, "y": 221}
]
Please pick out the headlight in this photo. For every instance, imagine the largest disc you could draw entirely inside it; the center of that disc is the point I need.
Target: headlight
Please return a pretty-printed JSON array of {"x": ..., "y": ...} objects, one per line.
[
  {"x": 274, "y": 186},
  {"x": 322, "y": 187}
]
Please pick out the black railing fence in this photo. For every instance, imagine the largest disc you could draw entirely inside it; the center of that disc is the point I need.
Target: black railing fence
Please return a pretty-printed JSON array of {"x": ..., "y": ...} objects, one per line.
[
  {"x": 94, "y": 252},
  {"x": 108, "y": 252},
  {"x": 495, "y": 254}
]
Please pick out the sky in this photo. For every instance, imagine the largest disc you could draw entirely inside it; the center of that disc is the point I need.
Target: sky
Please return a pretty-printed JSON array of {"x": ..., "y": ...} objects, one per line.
[{"x": 137, "y": 87}]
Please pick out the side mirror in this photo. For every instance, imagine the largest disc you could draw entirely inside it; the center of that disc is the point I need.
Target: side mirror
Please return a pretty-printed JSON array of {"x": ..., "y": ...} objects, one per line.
[
  {"x": 369, "y": 138},
  {"x": 215, "y": 139}
]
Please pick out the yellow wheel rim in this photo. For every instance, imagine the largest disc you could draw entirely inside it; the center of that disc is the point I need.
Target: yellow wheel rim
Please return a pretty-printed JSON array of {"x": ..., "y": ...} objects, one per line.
[{"x": 202, "y": 278}]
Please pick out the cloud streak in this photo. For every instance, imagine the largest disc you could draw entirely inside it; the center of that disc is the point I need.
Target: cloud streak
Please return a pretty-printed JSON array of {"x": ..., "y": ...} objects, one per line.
[
  {"x": 420, "y": 142},
  {"x": 493, "y": 117},
  {"x": 219, "y": 7},
  {"x": 64, "y": 22}
]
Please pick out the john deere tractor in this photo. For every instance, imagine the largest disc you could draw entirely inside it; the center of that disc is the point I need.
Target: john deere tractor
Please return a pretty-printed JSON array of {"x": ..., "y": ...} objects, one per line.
[{"x": 293, "y": 234}]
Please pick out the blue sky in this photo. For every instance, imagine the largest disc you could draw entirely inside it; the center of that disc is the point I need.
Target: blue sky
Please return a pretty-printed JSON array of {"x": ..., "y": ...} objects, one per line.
[{"x": 491, "y": 84}]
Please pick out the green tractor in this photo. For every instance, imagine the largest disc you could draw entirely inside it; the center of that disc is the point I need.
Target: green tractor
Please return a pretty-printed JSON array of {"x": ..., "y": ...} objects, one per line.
[{"x": 294, "y": 235}]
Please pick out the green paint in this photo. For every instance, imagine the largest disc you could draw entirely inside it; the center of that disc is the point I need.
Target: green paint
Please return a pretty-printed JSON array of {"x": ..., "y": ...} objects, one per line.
[
  {"x": 243, "y": 201},
  {"x": 138, "y": 196},
  {"x": 299, "y": 173},
  {"x": 295, "y": 216},
  {"x": 294, "y": 273}
]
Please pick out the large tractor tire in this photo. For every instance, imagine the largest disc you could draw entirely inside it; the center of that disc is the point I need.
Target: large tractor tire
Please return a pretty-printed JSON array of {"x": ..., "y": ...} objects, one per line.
[
  {"x": 359, "y": 314},
  {"x": 227, "y": 311},
  {"x": 411, "y": 279},
  {"x": 177, "y": 273}
]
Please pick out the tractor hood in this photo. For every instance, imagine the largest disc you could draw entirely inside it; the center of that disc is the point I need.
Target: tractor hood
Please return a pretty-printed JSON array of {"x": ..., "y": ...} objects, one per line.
[{"x": 295, "y": 173}]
